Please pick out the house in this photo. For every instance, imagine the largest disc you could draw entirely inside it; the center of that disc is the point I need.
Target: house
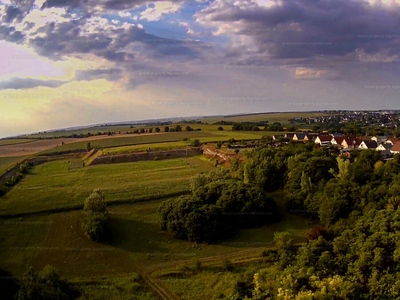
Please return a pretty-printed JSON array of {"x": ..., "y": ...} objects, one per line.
[
  {"x": 368, "y": 145},
  {"x": 289, "y": 135},
  {"x": 323, "y": 140},
  {"x": 379, "y": 138},
  {"x": 337, "y": 141},
  {"x": 349, "y": 143},
  {"x": 392, "y": 141},
  {"x": 384, "y": 147},
  {"x": 396, "y": 148},
  {"x": 277, "y": 136},
  {"x": 299, "y": 136},
  {"x": 310, "y": 137}
]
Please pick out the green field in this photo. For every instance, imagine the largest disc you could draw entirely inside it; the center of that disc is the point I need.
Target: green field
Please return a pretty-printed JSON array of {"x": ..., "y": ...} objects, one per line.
[
  {"x": 215, "y": 137},
  {"x": 143, "y": 147},
  {"x": 52, "y": 186},
  {"x": 283, "y": 118},
  {"x": 92, "y": 130},
  {"x": 133, "y": 140},
  {"x": 14, "y": 141},
  {"x": 137, "y": 243},
  {"x": 8, "y": 162}
]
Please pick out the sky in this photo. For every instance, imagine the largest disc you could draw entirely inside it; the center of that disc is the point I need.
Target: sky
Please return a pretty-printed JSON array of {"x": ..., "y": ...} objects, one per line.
[{"x": 71, "y": 63}]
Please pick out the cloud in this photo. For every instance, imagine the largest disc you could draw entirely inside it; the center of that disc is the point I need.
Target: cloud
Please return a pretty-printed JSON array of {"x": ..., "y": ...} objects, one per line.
[
  {"x": 159, "y": 9},
  {"x": 303, "y": 29},
  {"x": 312, "y": 74},
  {"x": 108, "y": 74},
  {"x": 17, "y": 83},
  {"x": 124, "y": 14},
  {"x": 90, "y": 5}
]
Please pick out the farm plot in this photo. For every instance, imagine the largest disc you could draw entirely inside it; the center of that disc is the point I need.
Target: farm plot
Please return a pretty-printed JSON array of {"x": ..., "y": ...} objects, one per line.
[{"x": 52, "y": 187}]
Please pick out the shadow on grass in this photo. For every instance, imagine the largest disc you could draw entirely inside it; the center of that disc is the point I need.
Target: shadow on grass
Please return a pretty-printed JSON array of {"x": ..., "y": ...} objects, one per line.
[
  {"x": 8, "y": 285},
  {"x": 135, "y": 236}
]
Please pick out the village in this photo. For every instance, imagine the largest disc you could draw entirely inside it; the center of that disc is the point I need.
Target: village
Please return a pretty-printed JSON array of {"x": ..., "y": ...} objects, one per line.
[{"x": 387, "y": 145}]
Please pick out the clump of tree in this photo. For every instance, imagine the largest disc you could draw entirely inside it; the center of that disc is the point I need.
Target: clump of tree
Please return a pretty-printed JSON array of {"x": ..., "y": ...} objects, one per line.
[
  {"x": 95, "y": 222},
  {"x": 217, "y": 208},
  {"x": 45, "y": 285},
  {"x": 195, "y": 143}
]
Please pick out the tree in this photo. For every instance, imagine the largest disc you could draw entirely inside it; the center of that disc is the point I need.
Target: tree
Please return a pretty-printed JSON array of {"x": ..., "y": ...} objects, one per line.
[
  {"x": 188, "y": 128},
  {"x": 95, "y": 223},
  {"x": 219, "y": 144},
  {"x": 150, "y": 130},
  {"x": 166, "y": 129},
  {"x": 142, "y": 130},
  {"x": 178, "y": 128},
  {"x": 220, "y": 128},
  {"x": 88, "y": 147},
  {"x": 283, "y": 240},
  {"x": 157, "y": 129},
  {"x": 196, "y": 143},
  {"x": 216, "y": 210},
  {"x": 95, "y": 204},
  {"x": 44, "y": 285}
]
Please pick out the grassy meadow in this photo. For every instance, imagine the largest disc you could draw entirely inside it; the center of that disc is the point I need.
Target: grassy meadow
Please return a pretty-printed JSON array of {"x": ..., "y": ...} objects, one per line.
[
  {"x": 281, "y": 117},
  {"x": 132, "y": 140},
  {"x": 55, "y": 185},
  {"x": 7, "y": 163},
  {"x": 137, "y": 243},
  {"x": 6, "y": 142}
]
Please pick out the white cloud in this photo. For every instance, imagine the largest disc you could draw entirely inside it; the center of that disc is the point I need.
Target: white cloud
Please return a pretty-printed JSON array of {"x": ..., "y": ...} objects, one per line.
[
  {"x": 115, "y": 22},
  {"x": 160, "y": 8},
  {"x": 124, "y": 14}
]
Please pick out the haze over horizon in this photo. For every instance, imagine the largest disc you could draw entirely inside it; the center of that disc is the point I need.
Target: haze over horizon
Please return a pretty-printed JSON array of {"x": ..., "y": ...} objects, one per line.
[{"x": 79, "y": 62}]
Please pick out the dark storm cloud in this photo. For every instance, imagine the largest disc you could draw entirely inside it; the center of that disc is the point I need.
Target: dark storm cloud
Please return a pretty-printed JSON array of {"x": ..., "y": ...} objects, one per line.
[
  {"x": 11, "y": 13},
  {"x": 308, "y": 28},
  {"x": 55, "y": 40},
  {"x": 105, "y": 4},
  {"x": 17, "y": 83},
  {"x": 9, "y": 34}
]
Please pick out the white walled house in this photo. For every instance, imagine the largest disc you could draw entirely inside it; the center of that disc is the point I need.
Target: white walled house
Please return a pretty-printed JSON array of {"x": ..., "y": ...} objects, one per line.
[{"x": 368, "y": 145}]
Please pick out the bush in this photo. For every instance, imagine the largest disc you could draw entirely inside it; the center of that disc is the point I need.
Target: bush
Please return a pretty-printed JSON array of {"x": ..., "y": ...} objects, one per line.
[
  {"x": 95, "y": 204},
  {"x": 45, "y": 284},
  {"x": 227, "y": 265},
  {"x": 95, "y": 227},
  {"x": 95, "y": 223},
  {"x": 220, "y": 128},
  {"x": 216, "y": 210},
  {"x": 196, "y": 143}
]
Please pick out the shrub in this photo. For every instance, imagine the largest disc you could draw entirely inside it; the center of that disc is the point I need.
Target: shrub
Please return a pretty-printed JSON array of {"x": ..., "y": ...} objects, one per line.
[
  {"x": 227, "y": 265},
  {"x": 95, "y": 204},
  {"x": 45, "y": 284},
  {"x": 196, "y": 143},
  {"x": 95, "y": 223},
  {"x": 95, "y": 227}
]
